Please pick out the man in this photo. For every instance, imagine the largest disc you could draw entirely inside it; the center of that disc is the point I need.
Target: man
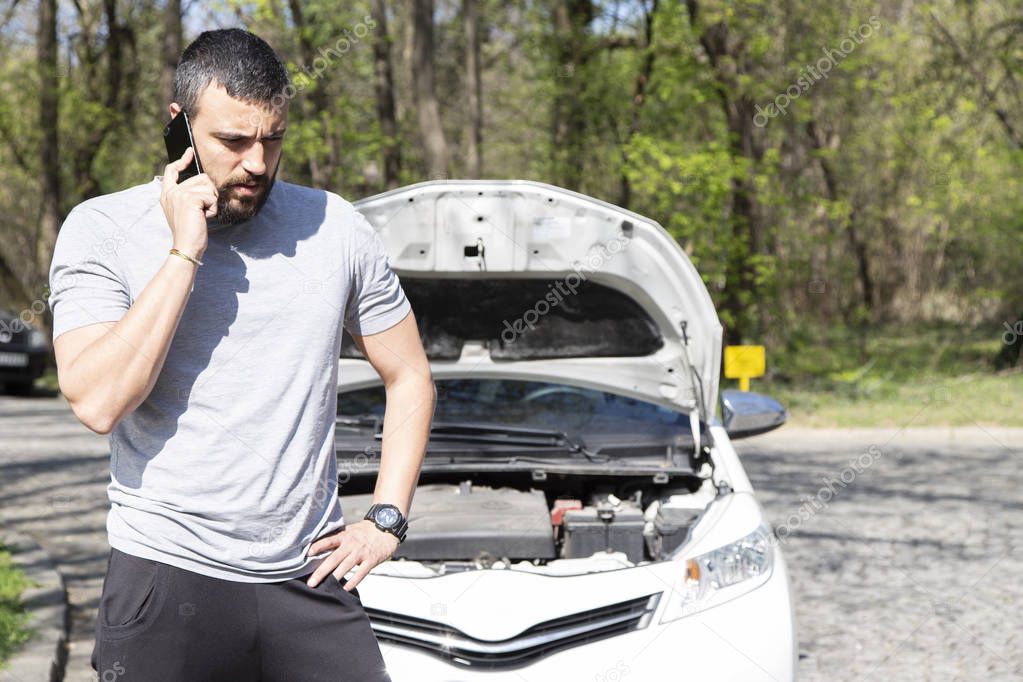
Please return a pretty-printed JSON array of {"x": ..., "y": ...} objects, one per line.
[{"x": 199, "y": 324}]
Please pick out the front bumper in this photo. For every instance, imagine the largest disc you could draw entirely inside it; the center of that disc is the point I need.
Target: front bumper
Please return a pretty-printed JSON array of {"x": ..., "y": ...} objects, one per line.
[{"x": 749, "y": 638}]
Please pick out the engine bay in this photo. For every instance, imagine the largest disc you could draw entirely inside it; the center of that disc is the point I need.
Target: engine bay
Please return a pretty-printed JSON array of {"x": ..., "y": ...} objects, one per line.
[{"x": 469, "y": 524}]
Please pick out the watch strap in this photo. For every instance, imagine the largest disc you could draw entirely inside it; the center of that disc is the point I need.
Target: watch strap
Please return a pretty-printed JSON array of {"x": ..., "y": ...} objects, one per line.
[{"x": 398, "y": 531}]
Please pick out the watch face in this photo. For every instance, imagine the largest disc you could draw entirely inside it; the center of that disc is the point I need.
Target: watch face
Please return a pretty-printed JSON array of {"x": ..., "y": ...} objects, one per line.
[{"x": 387, "y": 517}]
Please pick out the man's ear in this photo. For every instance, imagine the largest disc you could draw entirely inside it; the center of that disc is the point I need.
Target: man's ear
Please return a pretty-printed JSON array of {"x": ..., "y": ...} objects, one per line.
[{"x": 174, "y": 109}]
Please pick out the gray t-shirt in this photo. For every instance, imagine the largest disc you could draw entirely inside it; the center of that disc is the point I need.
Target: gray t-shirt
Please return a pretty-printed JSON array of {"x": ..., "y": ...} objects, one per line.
[{"x": 228, "y": 467}]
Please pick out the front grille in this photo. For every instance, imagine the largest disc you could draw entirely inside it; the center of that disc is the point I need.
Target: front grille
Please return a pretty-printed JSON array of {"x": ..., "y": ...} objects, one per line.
[{"x": 537, "y": 641}]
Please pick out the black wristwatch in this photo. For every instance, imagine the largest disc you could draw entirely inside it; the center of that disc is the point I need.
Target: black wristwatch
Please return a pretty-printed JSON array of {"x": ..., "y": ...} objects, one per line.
[{"x": 389, "y": 519}]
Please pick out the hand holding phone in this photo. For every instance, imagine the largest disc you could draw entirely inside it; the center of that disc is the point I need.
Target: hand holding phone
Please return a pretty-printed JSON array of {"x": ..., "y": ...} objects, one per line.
[
  {"x": 188, "y": 196},
  {"x": 178, "y": 137}
]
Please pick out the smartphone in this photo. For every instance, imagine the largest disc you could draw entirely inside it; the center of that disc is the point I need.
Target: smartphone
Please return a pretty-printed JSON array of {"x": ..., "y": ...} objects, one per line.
[{"x": 178, "y": 137}]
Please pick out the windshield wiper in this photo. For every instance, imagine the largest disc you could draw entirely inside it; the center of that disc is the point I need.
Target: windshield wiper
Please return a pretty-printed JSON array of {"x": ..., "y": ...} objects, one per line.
[
  {"x": 507, "y": 434},
  {"x": 487, "y": 433}
]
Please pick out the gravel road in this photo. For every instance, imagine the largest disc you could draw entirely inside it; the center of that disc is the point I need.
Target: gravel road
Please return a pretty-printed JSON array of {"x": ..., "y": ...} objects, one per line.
[{"x": 904, "y": 546}]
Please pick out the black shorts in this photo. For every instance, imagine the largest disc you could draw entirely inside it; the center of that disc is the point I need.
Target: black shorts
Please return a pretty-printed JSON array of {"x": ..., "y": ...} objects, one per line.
[{"x": 161, "y": 623}]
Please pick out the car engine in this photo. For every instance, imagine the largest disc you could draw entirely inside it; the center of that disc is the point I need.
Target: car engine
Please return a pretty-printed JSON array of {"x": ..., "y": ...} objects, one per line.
[{"x": 477, "y": 525}]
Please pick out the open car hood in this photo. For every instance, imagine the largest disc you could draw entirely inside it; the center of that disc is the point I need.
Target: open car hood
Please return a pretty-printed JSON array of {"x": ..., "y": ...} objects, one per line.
[{"x": 517, "y": 279}]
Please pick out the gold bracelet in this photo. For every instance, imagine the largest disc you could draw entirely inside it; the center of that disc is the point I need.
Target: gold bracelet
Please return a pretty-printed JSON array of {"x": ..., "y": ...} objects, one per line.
[{"x": 186, "y": 256}]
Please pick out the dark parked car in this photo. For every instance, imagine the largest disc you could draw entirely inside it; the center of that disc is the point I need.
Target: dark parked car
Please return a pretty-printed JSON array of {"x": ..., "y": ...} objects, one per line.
[{"x": 24, "y": 354}]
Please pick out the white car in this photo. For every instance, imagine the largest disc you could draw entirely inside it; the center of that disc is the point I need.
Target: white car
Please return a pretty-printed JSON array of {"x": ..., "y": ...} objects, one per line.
[{"x": 581, "y": 513}]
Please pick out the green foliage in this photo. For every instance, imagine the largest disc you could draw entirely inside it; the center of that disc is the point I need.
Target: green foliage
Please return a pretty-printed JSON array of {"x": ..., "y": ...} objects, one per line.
[
  {"x": 689, "y": 190},
  {"x": 887, "y": 191},
  {"x": 12, "y": 614},
  {"x": 897, "y": 375}
]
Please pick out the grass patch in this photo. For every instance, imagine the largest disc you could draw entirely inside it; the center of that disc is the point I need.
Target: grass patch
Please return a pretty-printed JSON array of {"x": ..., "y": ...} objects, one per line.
[
  {"x": 48, "y": 380},
  {"x": 899, "y": 375},
  {"x": 13, "y": 616}
]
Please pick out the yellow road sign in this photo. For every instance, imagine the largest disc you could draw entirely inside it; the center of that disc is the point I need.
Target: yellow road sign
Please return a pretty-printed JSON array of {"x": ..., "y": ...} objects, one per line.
[{"x": 744, "y": 363}]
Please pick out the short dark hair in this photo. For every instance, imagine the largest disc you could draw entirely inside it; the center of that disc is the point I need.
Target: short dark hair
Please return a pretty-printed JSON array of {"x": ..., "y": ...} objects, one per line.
[{"x": 241, "y": 61}]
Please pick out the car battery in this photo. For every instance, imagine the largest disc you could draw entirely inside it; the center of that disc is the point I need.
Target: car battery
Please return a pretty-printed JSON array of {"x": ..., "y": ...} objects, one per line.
[
  {"x": 671, "y": 527},
  {"x": 589, "y": 530}
]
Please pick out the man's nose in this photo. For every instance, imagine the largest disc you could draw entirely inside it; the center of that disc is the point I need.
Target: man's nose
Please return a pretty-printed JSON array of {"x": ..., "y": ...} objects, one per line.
[{"x": 254, "y": 162}]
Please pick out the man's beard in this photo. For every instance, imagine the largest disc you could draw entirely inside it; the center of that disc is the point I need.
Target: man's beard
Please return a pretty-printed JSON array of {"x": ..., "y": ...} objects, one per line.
[{"x": 233, "y": 208}]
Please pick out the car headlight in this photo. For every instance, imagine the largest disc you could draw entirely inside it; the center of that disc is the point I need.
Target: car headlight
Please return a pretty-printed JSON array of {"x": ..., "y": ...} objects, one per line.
[
  {"x": 722, "y": 574},
  {"x": 37, "y": 339}
]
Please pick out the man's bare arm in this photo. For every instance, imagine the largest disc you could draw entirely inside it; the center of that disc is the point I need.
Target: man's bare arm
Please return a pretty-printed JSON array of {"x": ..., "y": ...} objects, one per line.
[
  {"x": 398, "y": 357},
  {"x": 106, "y": 370}
]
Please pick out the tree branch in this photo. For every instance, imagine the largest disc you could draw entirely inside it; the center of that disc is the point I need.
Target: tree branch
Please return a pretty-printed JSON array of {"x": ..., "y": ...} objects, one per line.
[
  {"x": 12, "y": 144},
  {"x": 8, "y": 15},
  {"x": 981, "y": 78}
]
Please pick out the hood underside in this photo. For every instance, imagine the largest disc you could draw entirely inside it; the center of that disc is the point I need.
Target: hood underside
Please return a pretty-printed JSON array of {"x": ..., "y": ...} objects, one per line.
[{"x": 520, "y": 279}]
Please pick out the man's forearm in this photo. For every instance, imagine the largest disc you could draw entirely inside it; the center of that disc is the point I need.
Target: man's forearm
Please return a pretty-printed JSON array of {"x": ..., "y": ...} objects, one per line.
[
  {"x": 112, "y": 376},
  {"x": 407, "y": 420}
]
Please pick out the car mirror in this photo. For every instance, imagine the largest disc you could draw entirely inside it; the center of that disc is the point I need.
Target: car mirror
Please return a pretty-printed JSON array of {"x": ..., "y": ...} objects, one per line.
[{"x": 746, "y": 414}]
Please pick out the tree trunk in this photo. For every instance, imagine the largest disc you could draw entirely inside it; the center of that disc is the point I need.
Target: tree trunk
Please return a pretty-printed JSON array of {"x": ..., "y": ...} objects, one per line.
[
  {"x": 856, "y": 243},
  {"x": 171, "y": 47},
  {"x": 431, "y": 131},
  {"x": 50, "y": 199},
  {"x": 319, "y": 173},
  {"x": 725, "y": 52},
  {"x": 646, "y": 70},
  {"x": 571, "y": 53},
  {"x": 473, "y": 90},
  {"x": 1012, "y": 346},
  {"x": 105, "y": 90},
  {"x": 384, "y": 86}
]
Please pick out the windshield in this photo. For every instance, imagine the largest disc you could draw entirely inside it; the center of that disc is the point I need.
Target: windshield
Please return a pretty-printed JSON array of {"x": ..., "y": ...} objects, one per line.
[{"x": 533, "y": 404}]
